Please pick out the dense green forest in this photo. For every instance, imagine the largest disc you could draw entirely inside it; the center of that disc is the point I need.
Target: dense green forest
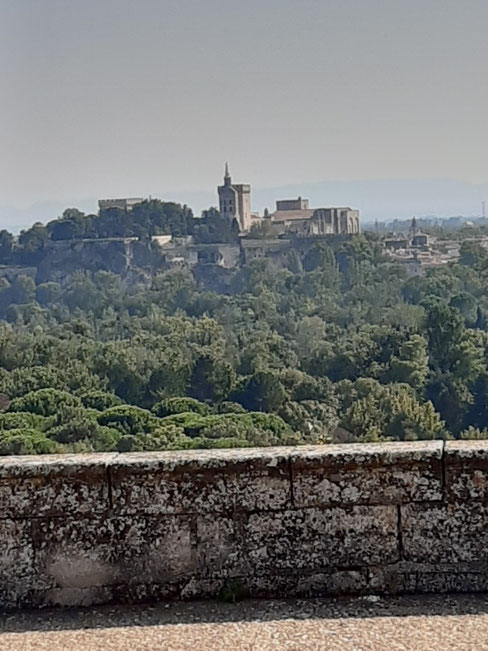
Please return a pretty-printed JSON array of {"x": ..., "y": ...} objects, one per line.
[{"x": 340, "y": 346}]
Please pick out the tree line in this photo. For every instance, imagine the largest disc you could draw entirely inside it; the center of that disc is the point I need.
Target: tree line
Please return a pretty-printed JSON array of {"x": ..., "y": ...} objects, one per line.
[
  {"x": 150, "y": 217},
  {"x": 338, "y": 346}
]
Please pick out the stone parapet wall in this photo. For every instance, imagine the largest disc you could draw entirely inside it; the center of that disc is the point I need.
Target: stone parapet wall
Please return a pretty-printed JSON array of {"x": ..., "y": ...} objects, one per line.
[{"x": 272, "y": 522}]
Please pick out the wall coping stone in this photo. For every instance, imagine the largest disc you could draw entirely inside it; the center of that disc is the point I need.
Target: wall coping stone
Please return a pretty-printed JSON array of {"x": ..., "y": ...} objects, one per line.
[
  {"x": 201, "y": 459},
  {"x": 369, "y": 453},
  {"x": 363, "y": 453},
  {"x": 466, "y": 450},
  {"x": 47, "y": 464}
]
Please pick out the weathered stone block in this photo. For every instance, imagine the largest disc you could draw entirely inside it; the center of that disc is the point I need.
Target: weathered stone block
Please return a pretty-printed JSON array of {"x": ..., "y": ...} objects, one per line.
[
  {"x": 221, "y": 546},
  {"x": 439, "y": 582},
  {"x": 16, "y": 549},
  {"x": 201, "y": 481},
  {"x": 132, "y": 593},
  {"x": 54, "y": 485},
  {"x": 316, "y": 584},
  {"x": 367, "y": 474},
  {"x": 154, "y": 550},
  {"x": 466, "y": 464},
  {"x": 337, "y": 582},
  {"x": 311, "y": 539},
  {"x": 391, "y": 580},
  {"x": 197, "y": 588},
  {"x": 75, "y": 553},
  {"x": 445, "y": 533},
  {"x": 17, "y": 573},
  {"x": 74, "y": 597}
]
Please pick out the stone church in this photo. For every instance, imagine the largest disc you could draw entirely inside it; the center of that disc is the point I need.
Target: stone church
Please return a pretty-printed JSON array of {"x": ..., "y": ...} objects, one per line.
[
  {"x": 295, "y": 216},
  {"x": 291, "y": 215}
]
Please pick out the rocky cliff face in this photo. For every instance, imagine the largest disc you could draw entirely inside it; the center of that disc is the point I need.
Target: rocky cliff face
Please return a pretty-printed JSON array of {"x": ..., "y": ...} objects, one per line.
[
  {"x": 129, "y": 258},
  {"x": 118, "y": 256}
]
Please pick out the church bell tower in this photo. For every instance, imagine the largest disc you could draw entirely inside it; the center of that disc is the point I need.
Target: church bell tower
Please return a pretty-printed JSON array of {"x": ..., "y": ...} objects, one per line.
[{"x": 235, "y": 201}]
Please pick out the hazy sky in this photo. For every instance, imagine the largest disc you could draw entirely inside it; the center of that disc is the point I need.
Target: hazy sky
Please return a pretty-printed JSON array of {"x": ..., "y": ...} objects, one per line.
[{"x": 137, "y": 97}]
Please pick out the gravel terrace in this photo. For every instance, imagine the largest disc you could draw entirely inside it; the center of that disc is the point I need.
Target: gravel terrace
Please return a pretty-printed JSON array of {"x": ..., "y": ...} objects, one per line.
[{"x": 421, "y": 622}]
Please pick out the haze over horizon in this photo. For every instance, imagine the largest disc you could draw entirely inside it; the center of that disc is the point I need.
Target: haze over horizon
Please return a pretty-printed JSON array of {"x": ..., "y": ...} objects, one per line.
[
  {"x": 383, "y": 200},
  {"x": 371, "y": 103}
]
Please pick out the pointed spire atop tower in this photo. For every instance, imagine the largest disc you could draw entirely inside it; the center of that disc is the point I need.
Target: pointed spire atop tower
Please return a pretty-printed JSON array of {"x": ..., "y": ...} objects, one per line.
[
  {"x": 413, "y": 227},
  {"x": 227, "y": 179}
]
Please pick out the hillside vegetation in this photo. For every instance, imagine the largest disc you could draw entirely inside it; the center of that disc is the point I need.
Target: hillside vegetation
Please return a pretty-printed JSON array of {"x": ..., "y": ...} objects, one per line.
[{"x": 340, "y": 346}]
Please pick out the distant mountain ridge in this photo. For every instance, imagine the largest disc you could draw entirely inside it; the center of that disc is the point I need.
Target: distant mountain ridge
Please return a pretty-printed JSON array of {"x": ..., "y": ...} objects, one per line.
[{"x": 376, "y": 199}]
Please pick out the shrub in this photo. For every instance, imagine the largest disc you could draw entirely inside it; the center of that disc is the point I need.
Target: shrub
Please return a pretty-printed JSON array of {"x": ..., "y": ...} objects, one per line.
[
  {"x": 191, "y": 422},
  {"x": 262, "y": 391},
  {"x": 228, "y": 407},
  {"x": 100, "y": 400},
  {"x": 26, "y": 441},
  {"x": 129, "y": 420},
  {"x": 70, "y": 432},
  {"x": 172, "y": 406},
  {"x": 44, "y": 402},
  {"x": 105, "y": 439},
  {"x": 270, "y": 422},
  {"x": 474, "y": 433},
  {"x": 162, "y": 438},
  {"x": 248, "y": 428},
  {"x": 316, "y": 421},
  {"x": 22, "y": 420}
]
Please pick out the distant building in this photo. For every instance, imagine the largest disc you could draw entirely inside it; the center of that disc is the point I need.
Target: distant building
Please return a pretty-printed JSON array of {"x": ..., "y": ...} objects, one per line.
[
  {"x": 122, "y": 204},
  {"x": 255, "y": 249},
  {"x": 420, "y": 239},
  {"x": 235, "y": 201},
  {"x": 417, "y": 252},
  {"x": 292, "y": 204},
  {"x": 162, "y": 239},
  {"x": 181, "y": 252},
  {"x": 295, "y": 215},
  {"x": 396, "y": 243}
]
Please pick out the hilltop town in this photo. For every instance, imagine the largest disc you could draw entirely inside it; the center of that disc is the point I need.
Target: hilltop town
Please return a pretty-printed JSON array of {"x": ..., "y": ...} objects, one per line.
[
  {"x": 150, "y": 234},
  {"x": 258, "y": 236},
  {"x": 137, "y": 238}
]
